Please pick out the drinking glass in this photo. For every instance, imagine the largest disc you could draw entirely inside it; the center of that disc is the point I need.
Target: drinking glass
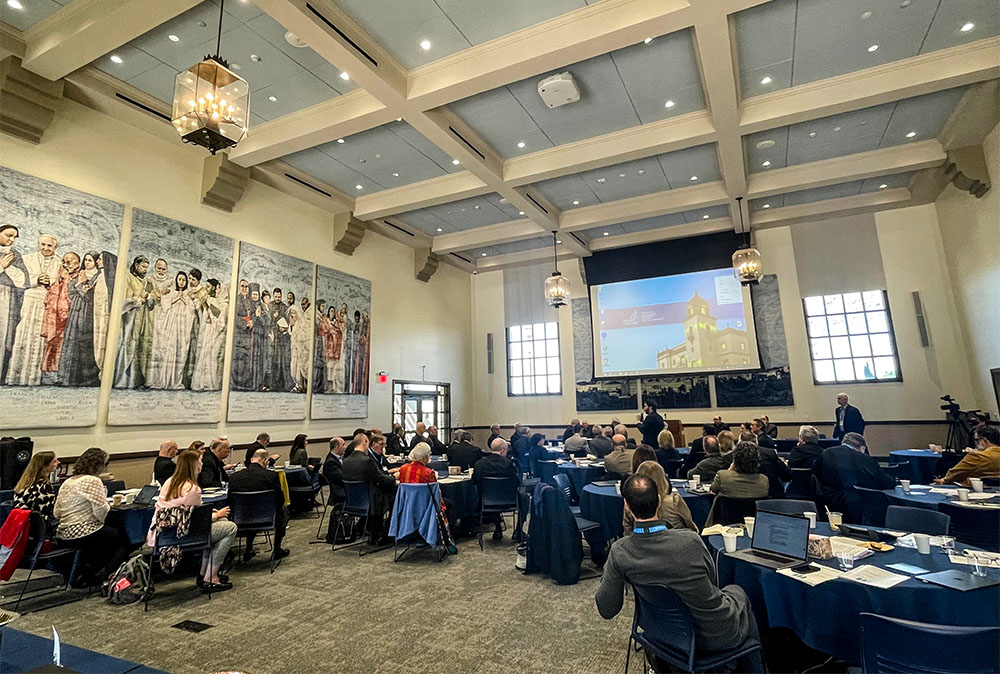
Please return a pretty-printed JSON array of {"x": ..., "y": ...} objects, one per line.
[
  {"x": 947, "y": 545},
  {"x": 845, "y": 560}
]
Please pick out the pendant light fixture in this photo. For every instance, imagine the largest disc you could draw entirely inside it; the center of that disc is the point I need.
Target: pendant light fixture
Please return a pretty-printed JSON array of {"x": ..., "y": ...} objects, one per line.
[
  {"x": 557, "y": 285},
  {"x": 211, "y": 105},
  {"x": 747, "y": 266}
]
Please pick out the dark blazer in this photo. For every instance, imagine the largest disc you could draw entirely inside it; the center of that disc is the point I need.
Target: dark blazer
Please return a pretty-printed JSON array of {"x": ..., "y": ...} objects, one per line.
[
  {"x": 765, "y": 440},
  {"x": 489, "y": 442},
  {"x": 333, "y": 471},
  {"x": 696, "y": 454},
  {"x": 394, "y": 444},
  {"x": 466, "y": 455},
  {"x": 776, "y": 471},
  {"x": 437, "y": 447},
  {"x": 601, "y": 446},
  {"x": 254, "y": 446},
  {"x": 838, "y": 470},
  {"x": 853, "y": 422},
  {"x": 521, "y": 449},
  {"x": 710, "y": 465},
  {"x": 803, "y": 456},
  {"x": 771, "y": 430},
  {"x": 163, "y": 469},
  {"x": 213, "y": 471},
  {"x": 650, "y": 428},
  {"x": 362, "y": 467},
  {"x": 493, "y": 465},
  {"x": 258, "y": 478},
  {"x": 420, "y": 438}
]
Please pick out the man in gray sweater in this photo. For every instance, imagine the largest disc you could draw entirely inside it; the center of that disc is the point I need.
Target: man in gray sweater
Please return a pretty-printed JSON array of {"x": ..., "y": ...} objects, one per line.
[{"x": 722, "y": 618}]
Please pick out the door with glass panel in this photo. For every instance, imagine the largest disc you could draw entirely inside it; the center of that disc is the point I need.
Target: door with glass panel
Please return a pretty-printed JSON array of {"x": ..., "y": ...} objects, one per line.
[{"x": 415, "y": 402}]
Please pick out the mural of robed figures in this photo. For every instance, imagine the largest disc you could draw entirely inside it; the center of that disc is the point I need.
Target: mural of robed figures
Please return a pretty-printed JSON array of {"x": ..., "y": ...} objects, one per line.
[
  {"x": 272, "y": 336},
  {"x": 342, "y": 345},
  {"x": 168, "y": 364},
  {"x": 58, "y": 258}
]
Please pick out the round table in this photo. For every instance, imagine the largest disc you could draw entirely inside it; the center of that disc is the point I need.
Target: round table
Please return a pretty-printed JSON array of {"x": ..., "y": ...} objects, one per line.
[
  {"x": 924, "y": 498},
  {"x": 923, "y": 464},
  {"x": 134, "y": 521},
  {"x": 580, "y": 476},
  {"x": 462, "y": 496},
  {"x": 825, "y": 617}
]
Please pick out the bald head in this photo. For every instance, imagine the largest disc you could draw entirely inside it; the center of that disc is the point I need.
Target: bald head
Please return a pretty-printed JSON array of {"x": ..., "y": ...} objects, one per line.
[
  {"x": 360, "y": 442},
  {"x": 499, "y": 446},
  {"x": 618, "y": 441},
  {"x": 168, "y": 448}
]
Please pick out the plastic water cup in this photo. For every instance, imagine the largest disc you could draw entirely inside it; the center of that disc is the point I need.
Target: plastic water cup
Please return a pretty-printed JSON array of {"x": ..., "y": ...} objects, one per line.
[
  {"x": 947, "y": 545},
  {"x": 696, "y": 479},
  {"x": 129, "y": 498},
  {"x": 923, "y": 542},
  {"x": 836, "y": 519},
  {"x": 845, "y": 560},
  {"x": 963, "y": 494},
  {"x": 977, "y": 484},
  {"x": 288, "y": 464},
  {"x": 730, "y": 541},
  {"x": 618, "y": 488},
  {"x": 812, "y": 519},
  {"x": 905, "y": 484},
  {"x": 692, "y": 484},
  {"x": 748, "y": 522}
]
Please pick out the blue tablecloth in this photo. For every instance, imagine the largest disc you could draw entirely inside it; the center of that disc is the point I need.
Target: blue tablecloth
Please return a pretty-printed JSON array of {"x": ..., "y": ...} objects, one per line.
[
  {"x": 463, "y": 499},
  {"x": 923, "y": 464},
  {"x": 923, "y": 498},
  {"x": 134, "y": 521},
  {"x": 580, "y": 476},
  {"x": 825, "y": 617},
  {"x": 21, "y": 652}
]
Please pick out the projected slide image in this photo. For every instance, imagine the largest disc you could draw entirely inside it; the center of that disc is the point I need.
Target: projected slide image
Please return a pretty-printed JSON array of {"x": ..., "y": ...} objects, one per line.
[{"x": 700, "y": 321}]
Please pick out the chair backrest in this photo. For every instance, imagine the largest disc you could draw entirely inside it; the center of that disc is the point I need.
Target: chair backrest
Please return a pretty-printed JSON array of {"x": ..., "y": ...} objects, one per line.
[
  {"x": 114, "y": 485},
  {"x": 727, "y": 510},
  {"x": 917, "y": 520},
  {"x": 297, "y": 476},
  {"x": 665, "y": 622},
  {"x": 786, "y": 506},
  {"x": 974, "y": 526},
  {"x": 874, "y": 503},
  {"x": 897, "y": 469},
  {"x": 358, "y": 498},
  {"x": 801, "y": 484},
  {"x": 497, "y": 492},
  {"x": 991, "y": 481},
  {"x": 561, "y": 482},
  {"x": 895, "y": 646},
  {"x": 199, "y": 532},
  {"x": 672, "y": 466},
  {"x": 252, "y": 508}
]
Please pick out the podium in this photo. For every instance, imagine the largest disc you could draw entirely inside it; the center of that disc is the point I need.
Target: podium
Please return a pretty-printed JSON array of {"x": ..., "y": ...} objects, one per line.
[{"x": 676, "y": 426}]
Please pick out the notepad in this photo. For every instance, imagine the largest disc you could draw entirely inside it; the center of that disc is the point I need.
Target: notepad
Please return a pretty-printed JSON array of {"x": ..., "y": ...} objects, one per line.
[
  {"x": 813, "y": 579},
  {"x": 869, "y": 574}
]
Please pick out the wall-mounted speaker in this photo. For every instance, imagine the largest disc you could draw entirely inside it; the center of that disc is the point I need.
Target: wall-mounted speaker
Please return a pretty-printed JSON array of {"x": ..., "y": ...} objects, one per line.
[
  {"x": 489, "y": 353},
  {"x": 918, "y": 309}
]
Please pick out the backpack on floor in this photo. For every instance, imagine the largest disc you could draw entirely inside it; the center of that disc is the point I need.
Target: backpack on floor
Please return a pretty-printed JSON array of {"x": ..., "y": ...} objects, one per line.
[{"x": 131, "y": 582}]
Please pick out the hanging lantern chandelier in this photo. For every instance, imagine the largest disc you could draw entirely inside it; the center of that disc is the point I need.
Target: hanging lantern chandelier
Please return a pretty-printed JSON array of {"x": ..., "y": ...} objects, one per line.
[
  {"x": 211, "y": 105},
  {"x": 557, "y": 285},
  {"x": 747, "y": 266}
]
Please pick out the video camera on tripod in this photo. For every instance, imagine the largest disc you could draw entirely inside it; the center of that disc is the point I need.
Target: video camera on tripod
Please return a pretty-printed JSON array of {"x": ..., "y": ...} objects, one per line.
[{"x": 960, "y": 424}]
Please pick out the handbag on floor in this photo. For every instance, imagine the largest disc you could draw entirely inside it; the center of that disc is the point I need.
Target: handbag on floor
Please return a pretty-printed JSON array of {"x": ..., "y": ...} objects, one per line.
[{"x": 131, "y": 582}]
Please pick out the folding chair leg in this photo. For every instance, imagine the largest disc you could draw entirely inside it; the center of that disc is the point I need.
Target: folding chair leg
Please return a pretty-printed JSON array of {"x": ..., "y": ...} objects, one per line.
[
  {"x": 24, "y": 587},
  {"x": 322, "y": 518},
  {"x": 479, "y": 531},
  {"x": 628, "y": 653}
]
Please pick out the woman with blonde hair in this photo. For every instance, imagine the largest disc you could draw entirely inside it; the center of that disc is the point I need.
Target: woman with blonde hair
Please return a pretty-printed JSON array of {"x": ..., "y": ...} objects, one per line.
[
  {"x": 34, "y": 491},
  {"x": 666, "y": 450},
  {"x": 673, "y": 510},
  {"x": 181, "y": 490}
]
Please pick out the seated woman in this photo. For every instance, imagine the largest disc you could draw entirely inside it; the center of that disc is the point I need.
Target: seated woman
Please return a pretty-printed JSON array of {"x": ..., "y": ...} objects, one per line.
[
  {"x": 742, "y": 479},
  {"x": 666, "y": 450},
  {"x": 537, "y": 452},
  {"x": 298, "y": 455},
  {"x": 34, "y": 491},
  {"x": 416, "y": 471},
  {"x": 182, "y": 491},
  {"x": 673, "y": 510},
  {"x": 81, "y": 507},
  {"x": 641, "y": 454}
]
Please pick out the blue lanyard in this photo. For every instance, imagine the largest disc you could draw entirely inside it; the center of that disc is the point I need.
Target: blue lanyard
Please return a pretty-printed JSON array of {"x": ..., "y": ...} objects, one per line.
[{"x": 649, "y": 530}]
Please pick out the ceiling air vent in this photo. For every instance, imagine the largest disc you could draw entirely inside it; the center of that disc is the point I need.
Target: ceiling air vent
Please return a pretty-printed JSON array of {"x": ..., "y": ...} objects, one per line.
[
  {"x": 305, "y": 184},
  {"x": 386, "y": 222},
  {"x": 467, "y": 143},
  {"x": 341, "y": 33},
  {"x": 142, "y": 107}
]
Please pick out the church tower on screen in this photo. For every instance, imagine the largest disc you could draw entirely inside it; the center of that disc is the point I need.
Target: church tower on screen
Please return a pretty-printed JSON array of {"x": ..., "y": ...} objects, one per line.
[{"x": 704, "y": 344}]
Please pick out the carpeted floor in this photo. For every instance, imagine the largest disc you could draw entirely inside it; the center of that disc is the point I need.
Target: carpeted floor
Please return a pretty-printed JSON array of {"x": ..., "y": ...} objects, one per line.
[{"x": 324, "y": 611}]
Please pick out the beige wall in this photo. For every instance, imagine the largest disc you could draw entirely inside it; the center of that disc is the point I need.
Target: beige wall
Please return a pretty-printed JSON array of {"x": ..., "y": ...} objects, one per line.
[
  {"x": 970, "y": 231},
  {"x": 413, "y": 323}
]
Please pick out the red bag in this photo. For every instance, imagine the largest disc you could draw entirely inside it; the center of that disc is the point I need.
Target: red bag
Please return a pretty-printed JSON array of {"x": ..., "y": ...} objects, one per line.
[{"x": 13, "y": 539}]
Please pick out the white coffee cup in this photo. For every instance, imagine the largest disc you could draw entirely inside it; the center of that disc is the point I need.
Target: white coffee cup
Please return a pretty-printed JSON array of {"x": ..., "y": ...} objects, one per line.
[
  {"x": 129, "y": 498},
  {"x": 116, "y": 500},
  {"x": 288, "y": 464},
  {"x": 812, "y": 519},
  {"x": 905, "y": 484},
  {"x": 692, "y": 484},
  {"x": 977, "y": 484},
  {"x": 618, "y": 488},
  {"x": 748, "y": 522},
  {"x": 923, "y": 542},
  {"x": 836, "y": 519},
  {"x": 730, "y": 541},
  {"x": 696, "y": 479},
  {"x": 963, "y": 494}
]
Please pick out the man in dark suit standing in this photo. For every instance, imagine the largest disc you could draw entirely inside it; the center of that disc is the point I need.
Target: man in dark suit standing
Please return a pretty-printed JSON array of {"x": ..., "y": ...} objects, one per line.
[
  {"x": 495, "y": 464},
  {"x": 363, "y": 465},
  {"x": 262, "y": 441},
  {"x": 333, "y": 471},
  {"x": 651, "y": 425},
  {"x": 847, "y": 418},
  {"x": 464, "y": 453},
  {"x": 256, "y": 477},
  {"x": 839, "y": 469},
  {"x": 805, "y": 453}
]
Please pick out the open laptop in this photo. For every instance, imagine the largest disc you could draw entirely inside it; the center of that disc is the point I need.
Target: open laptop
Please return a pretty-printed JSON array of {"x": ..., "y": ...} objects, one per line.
[
  {"x": 779, "y": 541},
  {"x": 146, "y": 495}
]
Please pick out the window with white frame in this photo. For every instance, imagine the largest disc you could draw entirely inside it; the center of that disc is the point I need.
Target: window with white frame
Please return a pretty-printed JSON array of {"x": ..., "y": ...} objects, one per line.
[
  {"x": 851, "y": 338},
  {"x": 533, "y": 360}
]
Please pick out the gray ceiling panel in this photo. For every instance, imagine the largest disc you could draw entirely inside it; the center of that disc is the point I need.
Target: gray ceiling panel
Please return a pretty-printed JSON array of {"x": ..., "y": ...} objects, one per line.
[
  {"x": 890, "y": 182},
  {"x": 659, "y": 221},
  {"x": 427, "y": 148},
  {"x": 484, "y": 20},
  {"x": 925, "y": 114},
  {"x": 952, "y": 15},
  {"x": 765, "y": 40},
  {"x": 322, "y": 167},
  {"x": 134, "y": 63},
  {"x": 831, "y": 192},
  {"x": 679, "y": 167},
  {"x": 823, "y": 193},
  {"x": 31, "y": 12},
  {"x": 274, "y": 33},
  {"x": 565, "y": 190},
  {"x": 523, "y": 246},
  {"x": 193, "y": 28},
  {"x": 629, "y": 179},
  {"x": 764, "y": 80},
  {"x": 502, "y": 204},
  {"x": 331, "y": 76},
  {"x": 767, "y": 203},
  {"x": 773, "y": 147},
  {"x": 292, "y": 93},
  {"x": 158, "y": 81},
  {"x": 502, "y": 122},
  {"x": 459, "y": 216},
  {"x": 713, "y": 212}
]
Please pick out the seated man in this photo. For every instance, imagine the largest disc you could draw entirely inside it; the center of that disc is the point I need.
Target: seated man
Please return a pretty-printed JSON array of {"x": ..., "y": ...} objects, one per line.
[
  {"x": 257, "y": 477},
  {"x": 769, "y": 428},
  {"x": 805, "y": 453},
  {"x": 763, "y": 439},
  {"x": 333, "y": 471},
  {"x": 839, "y": 469},
  {"x": 363, "y": 465},
  {"x": 713, "y": 462},
  {"x": 495, "y": 464},
  {"x": 985, "y": 462},
  {"x": 721, "y": 618},
  {"x": 576, "y": 444},
  {"x": 697, "y": 446},
  {"x": 419, "y": 435},
  {"x": 494, "y": 434},
  {"x": 164, "y": 465},
  {"x": 619, "y": 461},
  {"x": 262, "y": 441},
  {"x": 213, "y": 464},
  {"x": 464, "y": 454},
  {"x": 416, "y": 471},
  {"x": 437, "y": 447},
  {"x": 600, "y": 444}
]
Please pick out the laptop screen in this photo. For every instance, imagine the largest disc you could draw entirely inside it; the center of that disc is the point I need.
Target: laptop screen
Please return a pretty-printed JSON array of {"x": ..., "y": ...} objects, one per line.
[{"x": 786, "y": 535}]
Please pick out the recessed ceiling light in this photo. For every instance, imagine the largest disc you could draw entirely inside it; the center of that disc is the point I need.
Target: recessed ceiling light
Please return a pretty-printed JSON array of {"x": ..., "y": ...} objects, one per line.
[
  {"x": 621, "y": 175},
  {"x": 602, "y": 180},
  {"x": 173, "y": 38},
  {"x": 115, "y": 58},
  {"x": 455, "y": 162},
  {"x": 255, "y": 58},
  {"x": 272, "y": 99},
  {"x": 14, "y": 4},
  {"x": 874, "y": 47},
  {"x": 576, "y": 202},
  {"x": 558, "y": 240},
  {"x": 866, "y": 15},
  {"x": 911, "y": 134},
  {"x": 359, "y": 186},
  {"x": 483, "y": 254},
  {"x": 669, "y": 104},
  {"x": 766, "y": 79},
  {"x": 399, "y": 119},
  {"x": 767, "y": 206},
  {"x": 520, "y": 212},
  {"x": 882, "y": 186},
  {"x": 362, "y": 161},
  {"x": 425, "y": 45},
  {"x": 812, "y": 134},
  {"x": 502, "y": 200},
  {"x": 693, "y": 178},
  {"x": 765, "y": 144},
  {"x": 766, "y": 163},
  {"x": 440, "y": 229},
  {"x": 340, "y": 140},
  {"x": 477, "y": 207},
  {"x": 904, "y": 4},
  {"x": 395, "y": 175},
  {"x": 344, "y": 76},
  {"x": 647, "y": 40},
  {"x": 520, "y": 143},
  {"x": 966, "y": 27},
  {"x": 641, "y": 171},
  {"x": 705, "y": 217},
  {"x": 607, "y": 233},
  {"x": 235, "y": 66}
]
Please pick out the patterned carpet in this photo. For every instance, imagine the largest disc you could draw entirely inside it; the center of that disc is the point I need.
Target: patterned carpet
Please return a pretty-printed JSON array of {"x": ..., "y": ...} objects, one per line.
[{"x": 324, "y": 611}]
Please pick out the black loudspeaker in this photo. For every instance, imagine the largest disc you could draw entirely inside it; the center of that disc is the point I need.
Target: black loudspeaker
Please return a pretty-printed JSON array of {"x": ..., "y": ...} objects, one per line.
[{"x": 15, "y": 454}]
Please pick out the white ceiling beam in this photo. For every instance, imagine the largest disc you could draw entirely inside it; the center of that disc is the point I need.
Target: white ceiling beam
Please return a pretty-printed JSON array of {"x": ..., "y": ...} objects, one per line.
[
  {"x": 84, "y": 30},
  {"x": 684, "y": 231},
  {"x": 956, "y": 66},
  {"x": 898, "y": 159},
  {"x": 869, "y": 202},
  {"x": 644, "y": 206},
  {"x": 423, "y": 194},
  {"x": 491, "y": 235},
  {"x": 529, "y": 257},
  {"x": 290, "y": 180},
  {"x": 401, "y": 232}
]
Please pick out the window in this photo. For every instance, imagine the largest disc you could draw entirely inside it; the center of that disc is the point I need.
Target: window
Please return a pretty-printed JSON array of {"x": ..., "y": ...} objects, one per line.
[
  {"x": 533, "y": 360},
  {"x": 850, "y": 338},
  {"x": 429, "y": 402}
]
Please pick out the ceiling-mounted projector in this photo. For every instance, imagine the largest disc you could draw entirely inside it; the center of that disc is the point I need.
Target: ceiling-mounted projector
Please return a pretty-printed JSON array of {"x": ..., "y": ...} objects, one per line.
[{"x": 558, "y": 90}]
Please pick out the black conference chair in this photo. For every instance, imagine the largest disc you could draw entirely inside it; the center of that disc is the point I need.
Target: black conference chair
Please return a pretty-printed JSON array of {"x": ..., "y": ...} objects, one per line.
[
  {"x": 892, "y": 645},
  {"x": 34, "y": 557},
  {"x": 355, "y": 511},
  {"x": 253, "y": 512},
  {"x": 301, "y": 489},
  {"x": 672, "y": 468},
  {"x": 874, "y": 504},
  {"x": 497, "y": 496},
  {"x": 897, "y": 470},
  {"x": 114, "y": 485},
  {"x": 662, "y": 625},
  {"x": 786, "y": 506},
  {"x": 198, "y": 539},
  {"x": 561, "y": 482},
  {"x": 801, "y": 484},
  {"x": 917, "y": 520},
  {"x": 991, "y": 481},
  {"x": 727, "y": 510},
  {"x": 974, "y": 526}
]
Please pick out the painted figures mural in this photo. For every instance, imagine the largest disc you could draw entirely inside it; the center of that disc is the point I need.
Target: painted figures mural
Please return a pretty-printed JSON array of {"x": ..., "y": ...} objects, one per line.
[
  {"x": 342, "y": 345},
  {"x": 174, "y": 321},
  {"x": 58, "y": 255}
]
